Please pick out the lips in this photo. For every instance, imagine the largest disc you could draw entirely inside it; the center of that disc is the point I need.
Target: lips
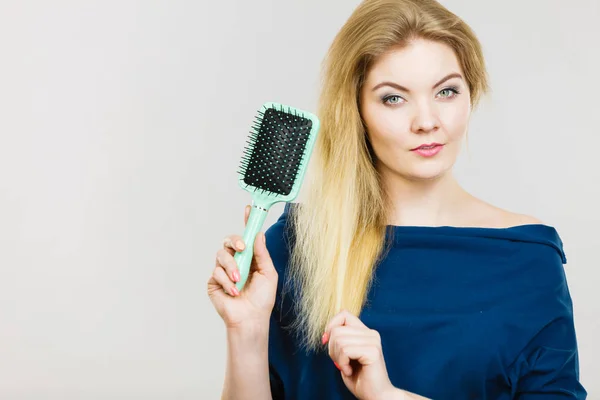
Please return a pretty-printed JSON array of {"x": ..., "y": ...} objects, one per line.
[
  {"x": 427, "y": 146},
  {"x": 428, "y": 150}
]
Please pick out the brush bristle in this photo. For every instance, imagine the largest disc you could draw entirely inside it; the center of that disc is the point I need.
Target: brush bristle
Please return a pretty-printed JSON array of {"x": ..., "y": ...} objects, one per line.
[{"x": 275, "y": 150}]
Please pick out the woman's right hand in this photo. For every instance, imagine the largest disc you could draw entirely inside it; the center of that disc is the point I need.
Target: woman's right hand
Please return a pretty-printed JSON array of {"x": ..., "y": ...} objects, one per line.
[{"x": 255, "y": 302}]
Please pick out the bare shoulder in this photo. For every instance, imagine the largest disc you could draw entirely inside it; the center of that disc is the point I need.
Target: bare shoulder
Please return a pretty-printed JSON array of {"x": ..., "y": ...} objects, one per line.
[
  {"x": 491, "y": 216},
  {"x": 521, "y": 219}
]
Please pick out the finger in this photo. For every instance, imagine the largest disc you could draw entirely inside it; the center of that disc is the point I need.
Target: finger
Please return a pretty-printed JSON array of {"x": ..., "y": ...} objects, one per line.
[
  {"x": 341, "y": 361},
  {"x": 226, "y": 261},
  {"x": 262, "y": 258},
  {"x": 353, "y": 339},
  {"x": 343, "y": 318},
  {"x": 221, "y": 278},
  {"x": 233, "y": 243},
  {"x": 364, "y": 354},
  {"x": 343, "y": 336},
  {"x": 214, "y": 289},
  {"x": 349, "y": 337},
  {"x": 246, "y": 214}
]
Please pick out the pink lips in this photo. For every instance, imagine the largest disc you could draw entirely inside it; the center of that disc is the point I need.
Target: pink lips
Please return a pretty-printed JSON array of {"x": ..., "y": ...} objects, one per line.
[{"x": 428, "y": 150}]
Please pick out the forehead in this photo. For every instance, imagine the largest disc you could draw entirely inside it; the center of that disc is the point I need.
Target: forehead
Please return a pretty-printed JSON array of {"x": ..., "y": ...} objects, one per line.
[{"x": 419, "y": 62}]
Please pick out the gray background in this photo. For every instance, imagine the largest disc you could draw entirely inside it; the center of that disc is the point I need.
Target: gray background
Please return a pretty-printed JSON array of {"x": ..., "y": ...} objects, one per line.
[{"x": 122, "y": 124}]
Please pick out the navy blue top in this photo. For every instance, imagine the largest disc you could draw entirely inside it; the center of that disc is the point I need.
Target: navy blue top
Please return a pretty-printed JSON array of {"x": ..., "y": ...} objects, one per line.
[{"x": 463, "y": 313}]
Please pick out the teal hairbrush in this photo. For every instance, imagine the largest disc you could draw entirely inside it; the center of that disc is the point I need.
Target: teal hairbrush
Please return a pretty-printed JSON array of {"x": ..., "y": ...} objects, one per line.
[{"x": 273, "y": 166}]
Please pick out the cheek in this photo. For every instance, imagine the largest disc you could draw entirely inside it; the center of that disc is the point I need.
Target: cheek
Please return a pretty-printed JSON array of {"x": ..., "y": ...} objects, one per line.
[
  {"x": 385, "y": 131},
  {"x": 455, "y": 121}
]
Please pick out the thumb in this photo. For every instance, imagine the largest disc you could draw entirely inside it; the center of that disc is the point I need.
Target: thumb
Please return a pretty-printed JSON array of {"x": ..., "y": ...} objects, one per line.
[{"x": 264, "y": 264}]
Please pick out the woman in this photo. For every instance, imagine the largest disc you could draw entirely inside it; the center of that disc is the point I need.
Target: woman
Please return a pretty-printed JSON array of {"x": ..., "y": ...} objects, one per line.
[{"x": 390, "y": 281}]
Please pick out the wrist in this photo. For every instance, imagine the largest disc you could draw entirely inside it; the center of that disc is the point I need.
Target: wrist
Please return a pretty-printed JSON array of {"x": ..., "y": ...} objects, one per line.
[
  {"x": 393, "y": 393},
  {"x": 254, "y": 327},
  {"x": 249, "y": 336},
  {"x": 399, "y": 394}
]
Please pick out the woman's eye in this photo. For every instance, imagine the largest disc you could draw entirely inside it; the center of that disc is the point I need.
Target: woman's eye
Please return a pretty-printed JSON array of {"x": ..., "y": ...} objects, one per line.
[
  {"x": 449, "y": 92},
  {"x": 390, "y": 99}
]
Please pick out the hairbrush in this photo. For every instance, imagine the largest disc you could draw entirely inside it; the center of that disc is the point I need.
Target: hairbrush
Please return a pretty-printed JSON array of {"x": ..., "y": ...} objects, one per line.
[{"x": 273, "y": 167}]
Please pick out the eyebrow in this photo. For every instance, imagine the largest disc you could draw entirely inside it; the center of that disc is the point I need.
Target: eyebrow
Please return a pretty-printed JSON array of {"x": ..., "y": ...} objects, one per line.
[{"x": 399, "y": 87}]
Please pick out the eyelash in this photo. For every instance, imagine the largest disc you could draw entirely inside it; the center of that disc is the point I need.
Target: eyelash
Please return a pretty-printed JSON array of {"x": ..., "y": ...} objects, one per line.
[{"x": 453, "y": 89}]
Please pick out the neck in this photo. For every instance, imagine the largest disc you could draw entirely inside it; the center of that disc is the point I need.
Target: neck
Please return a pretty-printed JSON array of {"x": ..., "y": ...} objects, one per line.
[{"x": 433, "y": 202}]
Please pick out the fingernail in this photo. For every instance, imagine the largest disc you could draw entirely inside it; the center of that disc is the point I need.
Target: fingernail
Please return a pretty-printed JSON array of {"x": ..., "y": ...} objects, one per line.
[
  {"x": 236, "y": 276},
  {"x": 337, "y": 366},
  {"x": 234, "y": 291},
  {"x": 264, "y": 239},
  {"x": 239, "y": 244},
  {"x": 325, "y": 338}
]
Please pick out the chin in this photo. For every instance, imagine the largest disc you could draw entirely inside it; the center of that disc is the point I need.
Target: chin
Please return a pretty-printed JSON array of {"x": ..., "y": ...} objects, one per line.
[
  {"x": 423, "y": 173},
  {"x": 423, "y": 177},
  {"x": 421, "y": 170}
]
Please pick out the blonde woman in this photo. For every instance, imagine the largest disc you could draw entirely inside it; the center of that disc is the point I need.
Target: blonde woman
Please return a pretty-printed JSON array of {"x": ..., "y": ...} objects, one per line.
[{"x": 390, "y": 281}]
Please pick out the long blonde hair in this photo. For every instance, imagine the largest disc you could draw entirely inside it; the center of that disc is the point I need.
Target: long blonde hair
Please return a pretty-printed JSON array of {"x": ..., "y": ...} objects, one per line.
[{"x": 340, "y": 226}]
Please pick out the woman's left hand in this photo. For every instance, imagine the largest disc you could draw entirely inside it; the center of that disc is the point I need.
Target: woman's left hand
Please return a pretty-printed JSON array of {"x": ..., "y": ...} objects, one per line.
[{"x": 349, "y": 339}]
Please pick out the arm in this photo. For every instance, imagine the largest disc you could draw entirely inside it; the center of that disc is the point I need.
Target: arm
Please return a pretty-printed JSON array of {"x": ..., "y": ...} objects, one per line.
[
  {"x": 549, "y": 366},
  {"x": 412, "y": 396},
  {"x": 399, "y": 394},
  {"x": 247, "y": 373}
]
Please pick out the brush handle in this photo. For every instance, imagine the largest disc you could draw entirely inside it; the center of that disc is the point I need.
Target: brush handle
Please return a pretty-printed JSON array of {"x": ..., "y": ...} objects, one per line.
[{"x": 244, "y": 258}]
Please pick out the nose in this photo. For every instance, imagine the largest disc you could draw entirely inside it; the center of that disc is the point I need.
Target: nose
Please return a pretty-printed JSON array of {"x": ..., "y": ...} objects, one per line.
[{"x": 425, "y": 119}]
